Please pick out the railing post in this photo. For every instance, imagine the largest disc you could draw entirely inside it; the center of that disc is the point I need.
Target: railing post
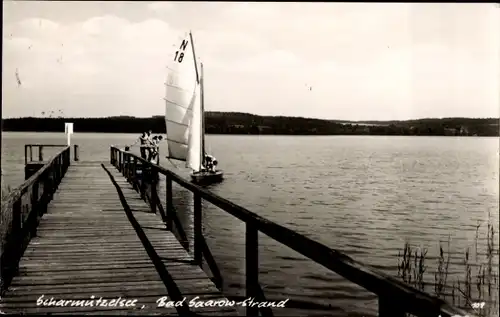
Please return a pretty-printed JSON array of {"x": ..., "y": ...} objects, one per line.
[
  {"x": 124, "y": 164},
  {"x": 252, "y": 266},
  {"x": 45, "y": 188},
  {"x": 168, "y": 202},
  {"x": 68, "y": 161},
  {"x": 53, "y": 181},
  {"x": 154, "y": 193},
  {"x": 16, "y": 217},
  {"x": 25, "y": 154},
  {"x": 55, "y": 166},
  {"x": 16, "y": 233},
  {"x": 35, "y": 205},
  {"x": 47, "y": 185},
  {"x": 59, "y": 169},
  {"x": 34, "y": 196},
  {"x": 120, "y": 162},
  {"x": 53, "y": 177},
  {"x": 129, "y": 168},
  {"x": 76, "y": 158},
  {"x": 134, "y": 172},
  {"x": 40, "y": 153},
  {"x": 197, "y": 227},
  {"x": 64, "y": 160},
  {"x": 127, "y": 165},
  {"x": 388, "y": 307},
  {"x": 142, "y": 185}
]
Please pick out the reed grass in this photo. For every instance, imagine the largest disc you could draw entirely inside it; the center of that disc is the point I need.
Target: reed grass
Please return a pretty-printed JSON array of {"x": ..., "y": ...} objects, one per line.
[
  {"x": 4, "y": 221},
  {"x": 475, "y": 283},
  {"x": 6, "y": 191}
]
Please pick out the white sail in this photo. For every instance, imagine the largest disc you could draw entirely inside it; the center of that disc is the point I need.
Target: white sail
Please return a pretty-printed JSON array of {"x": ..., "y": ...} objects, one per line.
[
  {"x": 181, "y": 86},
  {"x": 195, "y": 144}
]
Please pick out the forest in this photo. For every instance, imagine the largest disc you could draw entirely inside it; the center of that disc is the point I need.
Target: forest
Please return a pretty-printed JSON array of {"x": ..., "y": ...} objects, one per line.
[{"x": 245, "y": 123}]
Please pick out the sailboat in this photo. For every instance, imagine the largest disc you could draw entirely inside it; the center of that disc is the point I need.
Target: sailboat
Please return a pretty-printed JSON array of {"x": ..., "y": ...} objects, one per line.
[{"x": 184, "y": 115}]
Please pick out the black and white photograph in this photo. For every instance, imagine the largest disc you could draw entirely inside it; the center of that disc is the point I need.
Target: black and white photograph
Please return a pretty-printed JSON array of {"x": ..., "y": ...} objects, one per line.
[{"x": 203, "y": 158}]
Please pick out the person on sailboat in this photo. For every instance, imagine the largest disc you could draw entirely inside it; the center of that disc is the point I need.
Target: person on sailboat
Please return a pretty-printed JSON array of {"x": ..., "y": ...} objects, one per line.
[
  {"x": 144, "y": 144},
  {"x": 210, "y": 162}
]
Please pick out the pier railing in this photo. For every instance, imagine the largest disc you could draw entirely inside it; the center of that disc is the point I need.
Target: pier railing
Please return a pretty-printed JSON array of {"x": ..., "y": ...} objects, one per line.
[
  {"x": 22, "y": 209},
  {"x": 28, "y": 152},
  {"x": 396, "y": 298}
]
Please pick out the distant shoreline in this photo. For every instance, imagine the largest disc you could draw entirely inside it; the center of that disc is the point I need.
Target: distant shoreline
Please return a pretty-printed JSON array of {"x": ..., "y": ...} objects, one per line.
[{"x": 243, "y": 123}]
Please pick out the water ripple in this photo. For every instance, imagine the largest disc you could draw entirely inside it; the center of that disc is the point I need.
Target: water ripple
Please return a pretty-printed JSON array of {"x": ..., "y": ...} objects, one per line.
[{"x": 362, "y": 195}]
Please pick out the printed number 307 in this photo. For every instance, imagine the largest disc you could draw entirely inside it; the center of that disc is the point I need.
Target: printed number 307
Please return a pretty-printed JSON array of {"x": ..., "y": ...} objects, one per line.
[{"x": 478, "y": 305}]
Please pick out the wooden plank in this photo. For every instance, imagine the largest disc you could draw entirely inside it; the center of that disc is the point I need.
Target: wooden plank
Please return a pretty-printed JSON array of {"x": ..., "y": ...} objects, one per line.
[{"x": 86, "y": 246}]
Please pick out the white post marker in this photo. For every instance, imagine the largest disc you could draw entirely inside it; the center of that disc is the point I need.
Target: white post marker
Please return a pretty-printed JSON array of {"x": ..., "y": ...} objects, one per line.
[{"x": 68, "y": 129}]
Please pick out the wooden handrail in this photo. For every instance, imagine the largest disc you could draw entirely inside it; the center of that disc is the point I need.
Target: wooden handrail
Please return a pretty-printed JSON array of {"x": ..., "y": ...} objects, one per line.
[
  {"x": 28, "y": 151},
  {"x": 19, "y": 217},
  {"x": 395, "y": 297}
]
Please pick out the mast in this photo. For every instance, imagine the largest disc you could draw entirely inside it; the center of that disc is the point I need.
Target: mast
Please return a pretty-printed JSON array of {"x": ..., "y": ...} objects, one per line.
[
  {"x": 202, "y": 132},
  {"x": 194, "y": 57},
  {"x": 202, "y": 105}
]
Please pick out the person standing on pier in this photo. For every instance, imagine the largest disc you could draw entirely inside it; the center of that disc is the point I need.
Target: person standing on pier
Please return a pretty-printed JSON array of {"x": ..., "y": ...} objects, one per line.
[
  {"x": 150, "y": 144},
  {"x": 155, "y": 147},
  {"x": 144, "y": 139}
]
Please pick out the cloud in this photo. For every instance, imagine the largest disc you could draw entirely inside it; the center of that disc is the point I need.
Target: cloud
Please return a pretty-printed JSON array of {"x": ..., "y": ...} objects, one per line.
[
  {"x": 38, "y": 26},
  {"x": 283, "y": 62},
  {"x": 161, "y": 6},
  {"x": 104, "y": 25},
  {"x": 363, "y": 61},
  {"x": 108, "y": 59}
]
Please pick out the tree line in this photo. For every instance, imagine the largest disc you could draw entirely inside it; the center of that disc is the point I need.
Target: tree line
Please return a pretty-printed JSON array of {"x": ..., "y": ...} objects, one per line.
[{"x": 244, "y": 123}]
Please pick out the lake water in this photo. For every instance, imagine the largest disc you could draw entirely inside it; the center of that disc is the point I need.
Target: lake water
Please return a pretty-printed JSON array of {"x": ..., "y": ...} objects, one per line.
[{"x": 363, "y": 195}]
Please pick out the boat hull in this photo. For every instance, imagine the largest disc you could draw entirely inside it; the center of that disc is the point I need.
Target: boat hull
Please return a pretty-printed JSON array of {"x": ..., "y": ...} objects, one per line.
[{"x": 206, "y": 178}]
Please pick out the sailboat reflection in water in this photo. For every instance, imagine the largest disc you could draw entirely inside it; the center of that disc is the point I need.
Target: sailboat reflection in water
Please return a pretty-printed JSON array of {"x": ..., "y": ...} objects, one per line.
[{"x": 184, "y": 115}]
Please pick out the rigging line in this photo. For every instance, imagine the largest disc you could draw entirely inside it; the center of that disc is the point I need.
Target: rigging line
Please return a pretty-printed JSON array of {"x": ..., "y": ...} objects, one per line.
[{"x": 194, "y": 58}]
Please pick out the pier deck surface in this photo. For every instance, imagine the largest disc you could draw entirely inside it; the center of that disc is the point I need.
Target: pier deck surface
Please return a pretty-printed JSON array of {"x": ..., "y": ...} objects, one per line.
[{"x": 87, "y": 246}]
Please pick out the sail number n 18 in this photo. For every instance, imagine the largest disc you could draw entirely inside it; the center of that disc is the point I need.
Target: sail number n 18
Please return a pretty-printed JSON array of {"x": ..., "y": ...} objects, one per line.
[{"x": 179, "y": 55}]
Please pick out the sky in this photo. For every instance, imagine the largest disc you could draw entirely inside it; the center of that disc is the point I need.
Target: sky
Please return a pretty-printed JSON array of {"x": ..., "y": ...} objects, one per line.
[{"x": 346, "y": 61}]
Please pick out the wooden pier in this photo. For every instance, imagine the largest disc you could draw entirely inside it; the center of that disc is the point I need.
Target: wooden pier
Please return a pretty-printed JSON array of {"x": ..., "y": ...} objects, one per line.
[
  {"x": 98, "y": 238},
  {"x": 75, "y": 230},
  {"x": 33, "y": 163}
]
